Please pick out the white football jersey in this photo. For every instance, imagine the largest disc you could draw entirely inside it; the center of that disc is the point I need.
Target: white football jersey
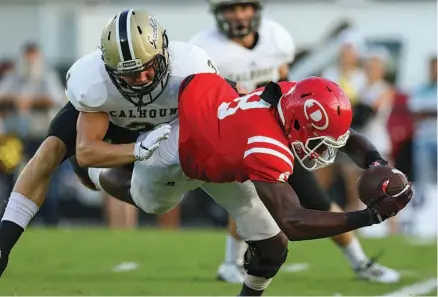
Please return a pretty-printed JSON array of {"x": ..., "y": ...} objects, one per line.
[
  {"x": 252, "y": 67},
  {"x": 90, "y": 89}
]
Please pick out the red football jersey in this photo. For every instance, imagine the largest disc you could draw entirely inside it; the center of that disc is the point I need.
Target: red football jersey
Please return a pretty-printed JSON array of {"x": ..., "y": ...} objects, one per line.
[{"x": 225, "y": 138}]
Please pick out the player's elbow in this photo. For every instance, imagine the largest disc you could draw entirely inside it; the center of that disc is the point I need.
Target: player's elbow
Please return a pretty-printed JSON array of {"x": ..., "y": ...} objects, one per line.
[
  {"x": 293, "y": 232},
  {"x": 82, "y": 158},
  {"x": 84, "y": 155},
  {"x": 293, "y": 227}
]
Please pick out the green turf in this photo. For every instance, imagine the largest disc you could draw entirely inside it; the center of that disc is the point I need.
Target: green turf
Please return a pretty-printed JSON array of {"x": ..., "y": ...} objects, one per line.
[{"x": 79, "y": 262}]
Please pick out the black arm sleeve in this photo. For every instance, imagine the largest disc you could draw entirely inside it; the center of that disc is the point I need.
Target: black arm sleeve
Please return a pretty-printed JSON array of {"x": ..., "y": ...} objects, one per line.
[
  {"x": 362, "y": 113},
  {"x": 362, "y": 151}
]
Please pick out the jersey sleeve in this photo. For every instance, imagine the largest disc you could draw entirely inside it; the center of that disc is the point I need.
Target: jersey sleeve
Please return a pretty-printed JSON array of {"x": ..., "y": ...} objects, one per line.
[
  {"x": 204, "y": 39},
  {"x": 84, "y": 97},
  {"x": 204, "y": 63},
  {"x": 284, "y": 43},
  {"x": 267, "y": 159},
  {"x": 190, "y": 59}
]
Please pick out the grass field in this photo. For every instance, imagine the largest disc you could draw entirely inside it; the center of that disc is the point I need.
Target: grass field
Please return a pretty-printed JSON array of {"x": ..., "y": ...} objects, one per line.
[{"x": 81, "y": 262}]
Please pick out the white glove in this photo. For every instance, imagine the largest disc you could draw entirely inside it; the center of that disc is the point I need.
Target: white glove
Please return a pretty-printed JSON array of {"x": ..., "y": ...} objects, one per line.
[{"x": 144, "y": 149}]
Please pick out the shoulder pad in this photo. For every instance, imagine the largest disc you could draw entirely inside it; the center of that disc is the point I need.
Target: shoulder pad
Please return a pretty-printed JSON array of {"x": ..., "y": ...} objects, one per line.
[
  {"x": 187, "y": 59},
  {"x": 282, "y": 40},
  {"x": 85, "y": 86},
  {"x": 205, "y": 37}
]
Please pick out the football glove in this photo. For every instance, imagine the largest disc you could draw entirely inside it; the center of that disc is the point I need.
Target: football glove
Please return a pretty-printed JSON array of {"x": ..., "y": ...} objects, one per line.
[
  {"x": 386, "y": 206},
  {"x": 144, "y": 149}
]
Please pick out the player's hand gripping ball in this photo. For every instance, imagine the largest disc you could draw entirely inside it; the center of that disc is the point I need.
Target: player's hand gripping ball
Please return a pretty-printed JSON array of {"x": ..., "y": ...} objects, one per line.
[{"x": 385, "y": 190}]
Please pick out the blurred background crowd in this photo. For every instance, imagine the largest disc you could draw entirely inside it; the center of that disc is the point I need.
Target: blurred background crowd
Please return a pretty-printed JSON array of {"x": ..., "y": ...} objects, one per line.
[{"x": 382, "y": 53}]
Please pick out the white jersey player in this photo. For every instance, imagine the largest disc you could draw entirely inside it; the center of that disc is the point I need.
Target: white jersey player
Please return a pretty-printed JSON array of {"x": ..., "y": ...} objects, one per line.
[
  {"x": 130, "y": 85},
  {"x": 134, "y": 87},
  {"x": 254, "y": 50},
  {"x": 261, "y": 55}
]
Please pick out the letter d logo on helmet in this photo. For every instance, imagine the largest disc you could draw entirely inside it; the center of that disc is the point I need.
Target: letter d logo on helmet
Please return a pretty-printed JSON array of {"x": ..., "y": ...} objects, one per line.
[{"x": 316, "y": 114}]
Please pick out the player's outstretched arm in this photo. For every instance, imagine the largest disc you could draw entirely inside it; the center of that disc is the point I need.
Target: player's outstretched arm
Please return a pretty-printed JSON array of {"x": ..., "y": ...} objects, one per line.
[
  {"x": 91, "y": 150},
  {"x": 303, "y": 224},
  {"x": 362, "y": 151}
]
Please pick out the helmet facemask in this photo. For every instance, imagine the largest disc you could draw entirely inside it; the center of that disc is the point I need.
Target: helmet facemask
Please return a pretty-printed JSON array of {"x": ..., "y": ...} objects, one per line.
[
  {"x": 318, "y": 152},
  {"x": 136, "y": 93},
  {"x": 237, "y": 28}
]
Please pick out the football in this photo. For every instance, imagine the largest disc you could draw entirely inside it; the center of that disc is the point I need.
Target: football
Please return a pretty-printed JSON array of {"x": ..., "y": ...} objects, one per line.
[{"x": 380, "y": 179}]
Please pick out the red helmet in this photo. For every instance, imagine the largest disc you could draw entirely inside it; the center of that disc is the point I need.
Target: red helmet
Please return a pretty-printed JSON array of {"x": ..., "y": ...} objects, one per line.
[{"x": 316, "y": 115}]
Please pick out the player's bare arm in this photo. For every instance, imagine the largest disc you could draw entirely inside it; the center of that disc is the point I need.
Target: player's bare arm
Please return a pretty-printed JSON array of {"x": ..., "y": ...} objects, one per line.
[
  {"x": 283, "y": 72},
  {"x": 91, "y": 150},
  {"x": 299, "y": 223}
]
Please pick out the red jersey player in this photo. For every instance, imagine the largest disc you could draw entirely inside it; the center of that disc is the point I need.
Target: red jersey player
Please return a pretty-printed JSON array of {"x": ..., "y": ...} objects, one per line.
[
  {"x": 224, "y": 138},
  {"x": 241, "y": 150}
]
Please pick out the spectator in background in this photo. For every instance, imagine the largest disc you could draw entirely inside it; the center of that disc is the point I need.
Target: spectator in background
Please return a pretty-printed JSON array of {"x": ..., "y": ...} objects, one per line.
[
  {"x": 6, "y": 66},
  {"x": 423, "y": 105},
  {"x": 375, "y": 102},
  {"x": 32, "y": 90},
  {"x": 11, "y": 148},
  {"x": 31, "y": 87},
  {"x": 350, "y": 76},
  {"x": 370, "y": 118},
  {"x": 372, "y": 110},
  {"x": 348, "y": 73}
]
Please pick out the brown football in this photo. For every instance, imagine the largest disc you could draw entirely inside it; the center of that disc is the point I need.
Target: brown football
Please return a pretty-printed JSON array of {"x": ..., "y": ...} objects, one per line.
[{"x": 380, "y": 179}]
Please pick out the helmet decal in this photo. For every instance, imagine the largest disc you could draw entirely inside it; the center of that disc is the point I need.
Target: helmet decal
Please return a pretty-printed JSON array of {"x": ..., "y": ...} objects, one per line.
[
  {"x": 316, "y": 114},
  {"x": 153, "y": 39}
]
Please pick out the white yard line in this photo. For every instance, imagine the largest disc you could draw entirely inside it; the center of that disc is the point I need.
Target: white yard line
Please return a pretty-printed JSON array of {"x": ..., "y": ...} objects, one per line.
[
  {"x": 125, "y": 266},
  {"x": 295, "y": 267},
  {"x": 419, "y": 288}
]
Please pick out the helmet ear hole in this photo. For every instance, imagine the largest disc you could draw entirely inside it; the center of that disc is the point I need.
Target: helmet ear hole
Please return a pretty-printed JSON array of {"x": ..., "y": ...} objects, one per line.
[{"x": 297, "y": 125}]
